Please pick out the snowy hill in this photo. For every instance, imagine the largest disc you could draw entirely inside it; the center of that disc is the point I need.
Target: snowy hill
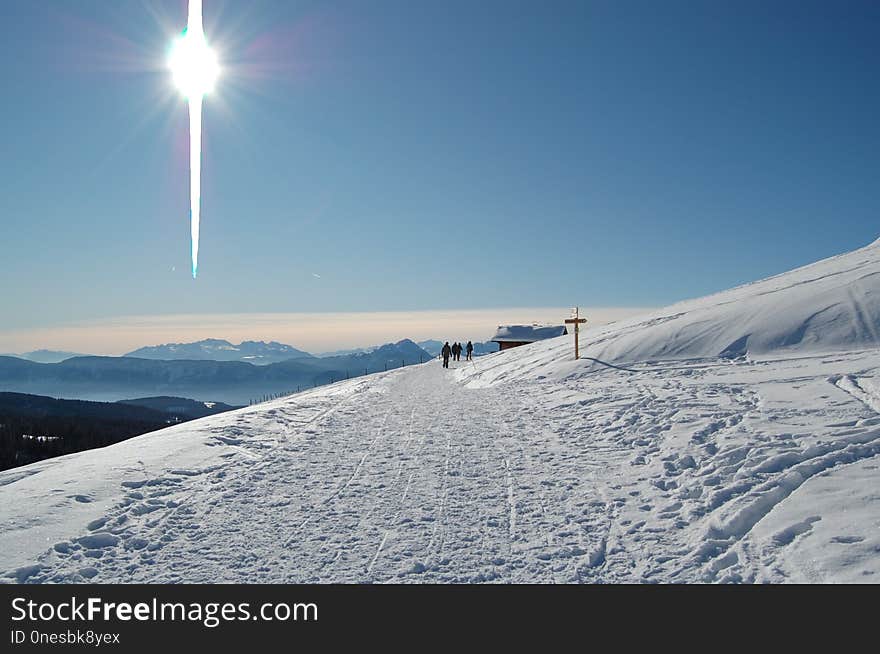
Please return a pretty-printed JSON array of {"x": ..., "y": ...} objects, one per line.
[
  {"x": 731, "y": 438},
  {"x": 833, "y": 304}
]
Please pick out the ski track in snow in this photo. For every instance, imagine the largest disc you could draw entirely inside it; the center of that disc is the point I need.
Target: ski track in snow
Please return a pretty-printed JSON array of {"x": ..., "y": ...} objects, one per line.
[{"x": 673, "y": 472}]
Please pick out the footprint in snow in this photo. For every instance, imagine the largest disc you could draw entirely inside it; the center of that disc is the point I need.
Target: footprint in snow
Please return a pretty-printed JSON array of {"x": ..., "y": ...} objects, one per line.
[
  {"x": 787, "y": 535},
  {"x": 847, "y": 540}
]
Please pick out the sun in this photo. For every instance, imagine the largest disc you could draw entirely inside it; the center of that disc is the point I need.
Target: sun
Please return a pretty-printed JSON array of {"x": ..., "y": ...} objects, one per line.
[
  {"x": 194, "y": 69},
  {"x": 194, "y": 66}
]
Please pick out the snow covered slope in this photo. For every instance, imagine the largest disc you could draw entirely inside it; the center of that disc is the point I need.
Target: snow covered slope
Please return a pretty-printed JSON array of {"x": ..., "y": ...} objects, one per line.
[
  {"x": 653, "y": 460},
  {"x": 833, "y": 304}
]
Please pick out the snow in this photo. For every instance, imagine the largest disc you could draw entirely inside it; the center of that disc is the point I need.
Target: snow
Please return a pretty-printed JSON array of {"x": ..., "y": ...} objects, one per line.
[
  {"x": 526, "y": 333},
  {"x": 735, "y": 438},
  {"x": 833, "y": 304}
]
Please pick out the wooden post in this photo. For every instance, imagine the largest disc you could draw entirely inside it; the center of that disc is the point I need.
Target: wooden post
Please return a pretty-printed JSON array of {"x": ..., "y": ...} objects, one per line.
[{"x": 576, "y": 320}]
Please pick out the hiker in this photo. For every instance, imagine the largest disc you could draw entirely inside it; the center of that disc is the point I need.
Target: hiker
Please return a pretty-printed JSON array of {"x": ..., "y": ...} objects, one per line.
[
  {"x": 446, "y": 351},
  {"x": 455, "y": 351},
  {"x": 470, "y": 351},
  {"x": 458, "y": 351}
]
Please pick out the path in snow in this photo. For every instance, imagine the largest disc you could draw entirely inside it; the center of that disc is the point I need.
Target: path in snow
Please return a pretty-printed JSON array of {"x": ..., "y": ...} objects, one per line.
[
  {"x": 681, "y": 471},
  {"x": 411, "y": 478}
]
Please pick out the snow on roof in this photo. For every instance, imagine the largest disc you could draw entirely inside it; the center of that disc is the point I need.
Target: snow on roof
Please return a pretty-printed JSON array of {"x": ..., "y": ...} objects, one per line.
[{"x": 527, "y": 333}]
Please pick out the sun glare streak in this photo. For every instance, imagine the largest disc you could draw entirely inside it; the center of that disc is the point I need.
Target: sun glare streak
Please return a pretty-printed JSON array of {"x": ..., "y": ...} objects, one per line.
[
  {"x": 195, "y": 70},
  {"x": 195, "y": 176}
]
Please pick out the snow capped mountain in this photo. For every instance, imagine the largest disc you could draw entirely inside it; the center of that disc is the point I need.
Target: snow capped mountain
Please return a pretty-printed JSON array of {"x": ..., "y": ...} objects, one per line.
[
  {"x": 731, "y": 438},
  {"x": 256, "y": 352}
]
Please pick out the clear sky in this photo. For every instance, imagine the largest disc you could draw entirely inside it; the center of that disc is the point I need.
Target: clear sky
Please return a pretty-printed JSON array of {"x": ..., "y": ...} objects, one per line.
[{"x": 414, "y": 155}]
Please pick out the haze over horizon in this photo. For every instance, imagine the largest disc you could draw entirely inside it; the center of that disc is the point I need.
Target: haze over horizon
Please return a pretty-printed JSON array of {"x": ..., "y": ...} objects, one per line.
[{"x": 313, "y": 332}]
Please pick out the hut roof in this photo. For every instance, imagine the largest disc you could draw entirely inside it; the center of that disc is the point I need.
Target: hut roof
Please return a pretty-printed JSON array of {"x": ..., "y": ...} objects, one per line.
[{"x": 527, "y": 333}]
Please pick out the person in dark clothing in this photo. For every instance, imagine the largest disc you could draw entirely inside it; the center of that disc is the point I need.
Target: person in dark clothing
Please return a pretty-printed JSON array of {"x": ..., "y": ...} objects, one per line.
[
  {"x": 455, "y": 351},
  {"x": 470, "y": 351},
  {"x": 458, "y": 349},
  {"x": 446, "y": 351}
]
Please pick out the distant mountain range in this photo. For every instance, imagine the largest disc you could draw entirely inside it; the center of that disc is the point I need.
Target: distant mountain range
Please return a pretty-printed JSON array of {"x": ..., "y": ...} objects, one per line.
[
  {"x": 342, "y": 353},
  {"x": 46, "y": 356},
  {"x": 487, "y": 347},
  {"x": 213, "y": 349},
  {"x": 233, "y": 382},
  {"x": 432, "y": 347},
  {"x": 259, "y": 353}
]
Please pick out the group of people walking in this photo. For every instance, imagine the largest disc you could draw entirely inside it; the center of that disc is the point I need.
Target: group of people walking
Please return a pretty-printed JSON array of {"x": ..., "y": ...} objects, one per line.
[{"x": 455, "y": 351}]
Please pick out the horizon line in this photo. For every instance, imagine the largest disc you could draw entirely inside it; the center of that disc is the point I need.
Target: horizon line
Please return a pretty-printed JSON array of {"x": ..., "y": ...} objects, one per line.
[{"x": 310, "y": 331}]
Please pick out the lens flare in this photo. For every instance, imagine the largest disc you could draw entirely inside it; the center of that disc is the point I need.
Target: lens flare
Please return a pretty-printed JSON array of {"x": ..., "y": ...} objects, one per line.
[{"x": 195, "y": 70}]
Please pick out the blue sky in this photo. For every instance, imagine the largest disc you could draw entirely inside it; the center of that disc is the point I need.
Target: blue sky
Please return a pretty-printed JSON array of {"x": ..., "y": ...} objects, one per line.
[{"x": 431, "y": 155}]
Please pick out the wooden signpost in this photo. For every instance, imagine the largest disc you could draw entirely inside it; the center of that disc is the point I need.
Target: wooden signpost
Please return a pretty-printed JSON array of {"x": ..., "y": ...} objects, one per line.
[{"x": 576, "y": 321}]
